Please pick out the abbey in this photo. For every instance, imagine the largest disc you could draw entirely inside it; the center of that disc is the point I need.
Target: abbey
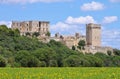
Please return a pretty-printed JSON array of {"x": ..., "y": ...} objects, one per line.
[{"x": 92, "y": 38}]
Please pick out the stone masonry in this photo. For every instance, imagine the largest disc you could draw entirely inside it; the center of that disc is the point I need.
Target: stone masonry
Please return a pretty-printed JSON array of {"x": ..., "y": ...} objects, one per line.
[
  {"x": 93, "y": 34},
  {"x": 31, "y": 26},
  {"x": 92, "y": 38}
]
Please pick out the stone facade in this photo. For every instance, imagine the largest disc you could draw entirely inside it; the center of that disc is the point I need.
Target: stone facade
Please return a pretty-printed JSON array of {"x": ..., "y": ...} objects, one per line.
[
  {"x": 93, "y": 34},
  {"x": 100, "y": 49},
  {"x": 31, "y": 26},
  {"x": 92, "y": 38},
  {"x": 69, "y": 41}
]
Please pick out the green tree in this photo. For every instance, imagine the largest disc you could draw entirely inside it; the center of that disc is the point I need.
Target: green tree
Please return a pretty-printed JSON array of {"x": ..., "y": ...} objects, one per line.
[
  {"x": 48, "y": 34},
  {"x": 45, "y": 54},
  {"x": 53, "y": 63},
  {"x": 30, "y": 61},
  {"x": 109, "y": 53},
  {"x": 81, "y": 44},
  {"x": 36, "y": 34},
  {"x": 3, "y": 62},
  {"x": 73, "y": 48},
  {"x": 94, "y": 61},
  {"x": 72, "y": 61},
  {"x": 116, "y": 61},
  {"x": 116, "y": 52},
  {"x": 28, "y": 34},
  {"x": 26, "y": 59}
]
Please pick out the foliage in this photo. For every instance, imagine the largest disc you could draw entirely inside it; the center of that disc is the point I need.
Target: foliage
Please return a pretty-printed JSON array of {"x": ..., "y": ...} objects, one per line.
[
  {"x": 2, "y": 61},
  {"x": 116, "y": 52},
  {"x": 36, "y": 34},
  {"x": 22, "y": 51},
  {"x": 81, "y": 44},
  {"x": 48, "y": 34},
  {"x": 109, "y": 53},
  {"x": 73, "y": 48},
  {"x": 28, "y": 34}
]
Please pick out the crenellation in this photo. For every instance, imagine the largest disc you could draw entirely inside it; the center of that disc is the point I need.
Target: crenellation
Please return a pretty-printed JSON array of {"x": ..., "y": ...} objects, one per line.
[{"x": 92, "y": 38}]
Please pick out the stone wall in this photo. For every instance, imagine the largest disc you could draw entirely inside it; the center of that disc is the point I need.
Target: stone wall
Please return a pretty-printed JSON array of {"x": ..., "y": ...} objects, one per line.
[
  {"x": 100, "y": 49},
  {"x": 93, "y": 34},
  {"x": 31, "y": 26}
]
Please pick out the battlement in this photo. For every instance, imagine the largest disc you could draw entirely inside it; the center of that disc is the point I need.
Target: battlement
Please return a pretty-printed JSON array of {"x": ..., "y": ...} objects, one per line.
[{"x": 92, "y": 38}]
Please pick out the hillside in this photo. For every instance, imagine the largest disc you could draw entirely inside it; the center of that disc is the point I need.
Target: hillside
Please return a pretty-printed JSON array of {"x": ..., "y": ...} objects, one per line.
[{"x": 22, "y": 51}]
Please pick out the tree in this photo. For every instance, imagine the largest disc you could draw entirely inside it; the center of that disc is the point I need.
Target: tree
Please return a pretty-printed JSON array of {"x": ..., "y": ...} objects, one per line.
[
  {"x": 72, "y": 61},
  {"x": 27, "y": 34},
  {"x": 45, "y": 54},
  {"x": 3, "y": 62},
  {"x": 53, "y": 63},
  {"x": 11, "y": 33},
  {"x": 116, "y": 61},
  {"x": 14, "y": 32},
  {"x": 81, "y": 44},
  {"x": 36, "y": 34},
  {"x": 48, "y": 34},
  {"x": 1, "y": 49},
  {"x": 109, "y": 53},
  {"x": 116, "y": 52},
  {"x": 30, "y": 61},
  {"x": 26, "y": 59},
  {"x": 3, "y": 28},
  {"x": 73, "y": 48}
]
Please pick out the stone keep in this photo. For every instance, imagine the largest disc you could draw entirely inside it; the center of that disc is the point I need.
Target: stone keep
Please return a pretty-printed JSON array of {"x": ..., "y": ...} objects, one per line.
[
  {"x": 93, "y": 34},
  {"x": 31, "y": 26}
]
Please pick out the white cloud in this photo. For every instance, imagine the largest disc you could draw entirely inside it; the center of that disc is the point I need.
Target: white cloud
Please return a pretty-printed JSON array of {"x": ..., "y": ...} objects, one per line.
[
  {"x": 64, "y": 28},
  {"x": 60, "y": 26},
  {"x": 80, "y": 20},
  {"x": 110, "y": 19},
  {"x": 7, "y": 23},
  {"x": 115, "y": 0},
  {"x": 92, "y": 6},
  {"x": 111, "y": 38},
  {"x": 72, "y": 25},
  {"x": 32, "y": 1}
]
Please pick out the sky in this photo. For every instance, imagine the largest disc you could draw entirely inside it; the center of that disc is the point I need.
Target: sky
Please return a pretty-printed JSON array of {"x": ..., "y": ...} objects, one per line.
[{"x": 67, "y": 16}]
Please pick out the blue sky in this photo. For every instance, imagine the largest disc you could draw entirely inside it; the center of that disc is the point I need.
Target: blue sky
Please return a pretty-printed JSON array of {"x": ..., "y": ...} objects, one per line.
[{"x": 67, "y": 16}]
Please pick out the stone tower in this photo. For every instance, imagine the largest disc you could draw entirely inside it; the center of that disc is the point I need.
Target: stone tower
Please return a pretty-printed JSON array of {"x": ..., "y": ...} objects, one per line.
[{"x": 93, "y": 34}]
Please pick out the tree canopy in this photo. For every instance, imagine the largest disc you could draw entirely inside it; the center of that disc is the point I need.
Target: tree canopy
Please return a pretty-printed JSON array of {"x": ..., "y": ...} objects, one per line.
[{"x": 22, "y": 51}]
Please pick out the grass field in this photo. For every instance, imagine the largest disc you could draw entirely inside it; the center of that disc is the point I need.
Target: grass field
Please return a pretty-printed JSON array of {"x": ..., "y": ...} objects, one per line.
[{"x": 60, "y": 73}]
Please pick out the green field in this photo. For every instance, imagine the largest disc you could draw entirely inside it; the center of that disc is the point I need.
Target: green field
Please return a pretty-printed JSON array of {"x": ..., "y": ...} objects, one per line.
[{"x": 60, "y": 73}]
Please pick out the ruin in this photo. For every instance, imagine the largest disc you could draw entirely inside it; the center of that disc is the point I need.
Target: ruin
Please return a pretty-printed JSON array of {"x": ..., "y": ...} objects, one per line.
[{"x": 92, "y": 38}]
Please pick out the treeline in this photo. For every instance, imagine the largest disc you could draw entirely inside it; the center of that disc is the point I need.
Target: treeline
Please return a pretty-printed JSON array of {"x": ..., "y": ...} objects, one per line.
[{"x": 22, "y": 51}]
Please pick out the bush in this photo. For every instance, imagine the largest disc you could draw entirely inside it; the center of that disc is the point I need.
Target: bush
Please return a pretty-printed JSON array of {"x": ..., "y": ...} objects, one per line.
[
  {"x": 3, "y": 62},
  {"x": 53, "y": 63}
]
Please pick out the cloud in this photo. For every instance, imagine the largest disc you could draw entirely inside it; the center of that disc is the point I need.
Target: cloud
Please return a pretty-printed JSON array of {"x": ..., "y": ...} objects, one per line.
[
  {"x": 64, "y": 28},
  {"x": 111, "y": 38},
  {"x": 72, "y": 25},
  {"x": 80, "y": 20},
  {"x": 110, "y": 19},
  {"x": 93, "y": 6},
  {"x": 60, "y": 26},
  {"x": 32, "y": 1},
  {"x": 7, "y": 23},
  {"x": 115, "y": 0}
]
